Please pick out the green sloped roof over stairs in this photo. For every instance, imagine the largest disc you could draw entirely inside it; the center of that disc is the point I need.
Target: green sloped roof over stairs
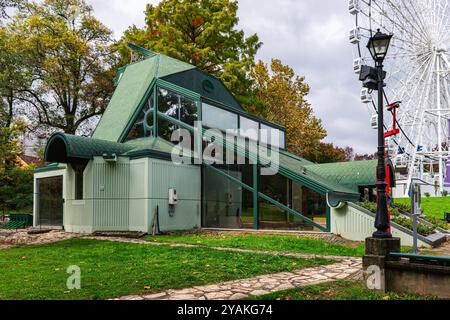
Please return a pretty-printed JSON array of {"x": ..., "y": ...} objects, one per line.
[{"x": 349, "y": 174}]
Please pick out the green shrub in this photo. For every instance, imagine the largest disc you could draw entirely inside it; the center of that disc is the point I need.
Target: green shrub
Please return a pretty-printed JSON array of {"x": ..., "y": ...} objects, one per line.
[
  {"x": 444, "y": 193},
  {"x": 427, "y": 194},
  {"x": 16, "y": 190},
  {"x": 436, "y": 222},
  {"x": 402, "y": 220},
  {"x": 403, "y": 206}
]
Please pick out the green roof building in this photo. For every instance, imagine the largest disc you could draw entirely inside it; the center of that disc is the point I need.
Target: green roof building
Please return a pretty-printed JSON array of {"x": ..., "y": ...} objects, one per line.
[{"x": 124, "y": 177}]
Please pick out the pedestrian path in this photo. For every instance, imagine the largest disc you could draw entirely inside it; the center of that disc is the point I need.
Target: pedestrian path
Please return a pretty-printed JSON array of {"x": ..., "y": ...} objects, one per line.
[{"x": 261, "y": 285}]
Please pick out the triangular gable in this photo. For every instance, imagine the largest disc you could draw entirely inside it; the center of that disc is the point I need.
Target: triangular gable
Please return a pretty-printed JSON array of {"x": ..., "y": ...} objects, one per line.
[
  {"x": 205, "y": 85},
  {"x": 132, "y": 89}
]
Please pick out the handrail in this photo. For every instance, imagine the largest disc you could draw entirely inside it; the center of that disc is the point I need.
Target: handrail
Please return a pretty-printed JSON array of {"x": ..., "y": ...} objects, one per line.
[{"x": 420, "y": 257}]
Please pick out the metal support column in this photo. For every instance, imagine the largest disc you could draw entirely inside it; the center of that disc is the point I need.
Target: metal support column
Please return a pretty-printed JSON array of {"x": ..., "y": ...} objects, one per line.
[{"x": 255, "y": 196}]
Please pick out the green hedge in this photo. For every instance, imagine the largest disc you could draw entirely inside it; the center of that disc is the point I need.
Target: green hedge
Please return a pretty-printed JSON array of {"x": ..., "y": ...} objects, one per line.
[{"x": 402, "y": 220}]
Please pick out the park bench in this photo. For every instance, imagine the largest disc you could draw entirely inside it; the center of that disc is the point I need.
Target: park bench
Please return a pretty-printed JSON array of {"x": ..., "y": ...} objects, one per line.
[
  {"x": 18, "y": 220},
  {"x": 425, "y": 259}
]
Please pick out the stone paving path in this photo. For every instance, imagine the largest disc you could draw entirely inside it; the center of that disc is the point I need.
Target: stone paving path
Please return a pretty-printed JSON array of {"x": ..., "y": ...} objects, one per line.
[
  {"x": 261, "y": 285},
  {"x": 346, "y": 267}
]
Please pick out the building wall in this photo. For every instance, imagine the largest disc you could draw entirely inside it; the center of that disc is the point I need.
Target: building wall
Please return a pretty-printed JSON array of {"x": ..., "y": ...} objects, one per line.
[
  {"x": 139, "y": 195},
  {"x": 186, "y": 179},
  {"x": 354, "y": 224},
  {"x": 78, "y": 214},
  {"x": 124, "y": 196}
]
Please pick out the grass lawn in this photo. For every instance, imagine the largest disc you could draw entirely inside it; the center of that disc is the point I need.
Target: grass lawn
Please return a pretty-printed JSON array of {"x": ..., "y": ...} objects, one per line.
[
  {"x": 337, "y": 290},
  {"x": 111, "y": 269},
  {"x": 270, "y": 242},
  {"x": 434, "y": 207}
]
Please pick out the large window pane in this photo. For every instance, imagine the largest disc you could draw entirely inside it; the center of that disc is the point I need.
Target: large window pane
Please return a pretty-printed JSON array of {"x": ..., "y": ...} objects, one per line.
[
  {"x": 168, "y": 103},
  {"x": 270, "y": 136},
  {"x": 177, "y": 107},
  {"x": 216, "y": 118},
  {"x": 165, "y": 129},
  {"x": 143, "y": 126},
  {"x": 188, "y": 111},
  {"x": 293, "y": 195},
  {"x": 248, "y": 128},
  {"x": 282, "y": 140},
  {"x": 225, "y": 203}
]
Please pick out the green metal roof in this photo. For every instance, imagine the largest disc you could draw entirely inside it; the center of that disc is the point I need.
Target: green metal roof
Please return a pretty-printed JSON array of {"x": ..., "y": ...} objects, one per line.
[
  {"x": 206, "y": 85},
  {"x": 131, "y": 91},
  {"x": 50, "y": 167},
  {"x": 65, "y": 148},
  {"x": 150, "y": 143},
  {"x": 349, "y": 174}
]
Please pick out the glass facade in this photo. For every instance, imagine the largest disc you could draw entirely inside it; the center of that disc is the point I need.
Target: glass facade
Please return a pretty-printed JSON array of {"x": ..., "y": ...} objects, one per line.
[
  {"x": 50, "y": 201},
  {"x": 248, "y": 128},
  {"x": 217, "y": 118},
  {"x": 273, "y": 137},
  {"x": 175, "y": 106},
  {"x": 143, "y": 126},
  {"x": 225, "y": 203},
  {"x": 295, "y": 196}
]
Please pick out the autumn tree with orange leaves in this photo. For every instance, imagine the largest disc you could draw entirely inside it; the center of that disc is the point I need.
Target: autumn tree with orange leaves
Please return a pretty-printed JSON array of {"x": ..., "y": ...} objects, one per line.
[{"x": 203, "y": 33}]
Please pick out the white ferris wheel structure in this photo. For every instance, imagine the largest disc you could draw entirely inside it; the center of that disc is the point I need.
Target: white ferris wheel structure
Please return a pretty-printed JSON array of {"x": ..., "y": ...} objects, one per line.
[{"x": 418, "y": 71}]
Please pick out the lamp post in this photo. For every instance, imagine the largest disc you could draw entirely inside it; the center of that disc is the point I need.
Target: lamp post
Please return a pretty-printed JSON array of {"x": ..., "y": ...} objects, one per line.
[{"x": 378, "y": 46}]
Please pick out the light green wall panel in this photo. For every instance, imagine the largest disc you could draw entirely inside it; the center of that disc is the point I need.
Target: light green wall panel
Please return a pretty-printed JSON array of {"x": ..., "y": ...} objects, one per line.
[
  {"x": 186, "y": 179},
  {"x": 139, "y": 195},
  {"x": 78, "y": 213},
  {"x": 111, "y": 183}
]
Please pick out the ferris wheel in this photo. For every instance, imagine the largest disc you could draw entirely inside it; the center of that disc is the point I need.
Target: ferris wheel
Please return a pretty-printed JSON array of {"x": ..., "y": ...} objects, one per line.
[{"x": 418, "y": 71}]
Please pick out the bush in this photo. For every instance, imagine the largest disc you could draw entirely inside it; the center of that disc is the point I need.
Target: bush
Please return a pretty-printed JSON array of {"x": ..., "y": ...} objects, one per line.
[
  {"x": 444, "y": 193},
  {"x": 436, "y": 222},
  {"x": 404, "y": 207},
  {"x": 427, "y": 194},
  {"x": 16, "y": 190},
  {"x": 402, "y": 220}
]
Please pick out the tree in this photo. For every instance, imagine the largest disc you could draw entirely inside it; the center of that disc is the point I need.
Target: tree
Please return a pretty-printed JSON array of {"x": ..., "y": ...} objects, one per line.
[
  {"x": 10, "y": 141},
  {"x": 67, "y": 54},
  {"x": 283, "y": 97},
  {"x": 202, "y": 33},
  {"x": 5, "y": 4},
  {"x": 326, "y": 153},
  {"x": 16, "y": 190},
  {"x": 366, "y": 156}
]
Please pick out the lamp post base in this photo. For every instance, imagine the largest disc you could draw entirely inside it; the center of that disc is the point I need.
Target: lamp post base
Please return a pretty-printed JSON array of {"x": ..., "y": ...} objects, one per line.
[
  {"x": 376, "y": 254},
  {"x": 382, "y": 234}
]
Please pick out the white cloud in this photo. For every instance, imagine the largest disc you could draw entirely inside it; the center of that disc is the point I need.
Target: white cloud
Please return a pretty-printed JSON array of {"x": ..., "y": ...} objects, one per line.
[{"x": 309, "y": 35}]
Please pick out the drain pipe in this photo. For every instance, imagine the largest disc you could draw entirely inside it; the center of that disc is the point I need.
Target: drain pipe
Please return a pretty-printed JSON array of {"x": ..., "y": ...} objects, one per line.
[{"x": 340, "y": 205}]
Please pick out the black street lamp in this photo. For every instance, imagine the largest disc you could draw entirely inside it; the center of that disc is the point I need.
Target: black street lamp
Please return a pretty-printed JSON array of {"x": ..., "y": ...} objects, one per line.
[{"x": 378, "y": 46}]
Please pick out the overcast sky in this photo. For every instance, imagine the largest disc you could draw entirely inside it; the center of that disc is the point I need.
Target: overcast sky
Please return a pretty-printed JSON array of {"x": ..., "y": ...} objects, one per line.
[{"x": 309, "y": 35}]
